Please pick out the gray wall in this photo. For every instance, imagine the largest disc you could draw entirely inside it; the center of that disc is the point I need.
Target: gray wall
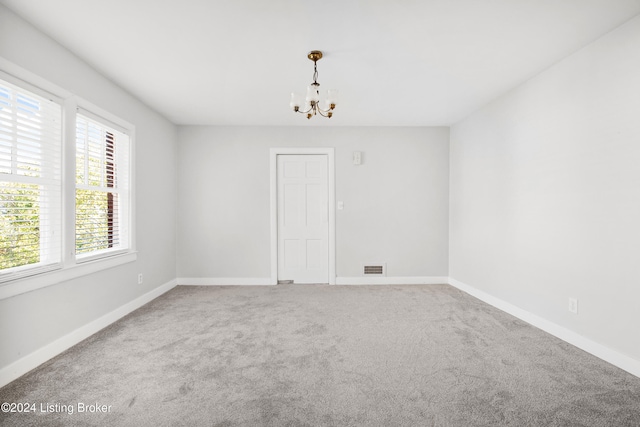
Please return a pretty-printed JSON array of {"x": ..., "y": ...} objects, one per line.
[
  {"x": 545, "y": 193},
  {"x": 395, "y": 203},
  {"x": 32, "y": 320}
]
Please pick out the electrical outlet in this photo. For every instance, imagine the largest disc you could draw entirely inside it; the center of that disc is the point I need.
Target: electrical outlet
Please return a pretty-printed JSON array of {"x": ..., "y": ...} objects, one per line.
[
  {"x": 140, "y": 279},
  {"x": 573, "y": 305}
]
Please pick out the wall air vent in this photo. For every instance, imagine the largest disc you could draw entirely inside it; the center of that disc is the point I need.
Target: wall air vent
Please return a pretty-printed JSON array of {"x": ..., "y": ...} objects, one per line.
[{"x": 374, "y": 270}]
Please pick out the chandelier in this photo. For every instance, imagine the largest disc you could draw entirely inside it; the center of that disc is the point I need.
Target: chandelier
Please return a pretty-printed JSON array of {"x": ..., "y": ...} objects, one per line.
[{"x": 312, "y": 100}]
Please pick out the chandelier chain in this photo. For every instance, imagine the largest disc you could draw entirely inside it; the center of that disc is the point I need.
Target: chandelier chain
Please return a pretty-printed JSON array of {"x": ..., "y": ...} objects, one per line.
[{"x": 315, "y": 72}]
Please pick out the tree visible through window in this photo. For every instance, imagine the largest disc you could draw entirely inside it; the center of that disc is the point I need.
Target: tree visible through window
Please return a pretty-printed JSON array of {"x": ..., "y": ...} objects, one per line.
[{"x": 19, "y": 224}]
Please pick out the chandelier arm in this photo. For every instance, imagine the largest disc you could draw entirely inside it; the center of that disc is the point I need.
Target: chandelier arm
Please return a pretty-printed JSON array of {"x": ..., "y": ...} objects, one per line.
[
  {"x": 325, "y": 111},
  {"x": 305, "y": 112},
  {"x": 321, "y": 111}
]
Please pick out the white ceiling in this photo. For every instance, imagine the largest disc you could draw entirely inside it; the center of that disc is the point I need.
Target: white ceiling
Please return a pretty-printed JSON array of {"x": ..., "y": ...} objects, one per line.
[{"x": 396, "y": 63}]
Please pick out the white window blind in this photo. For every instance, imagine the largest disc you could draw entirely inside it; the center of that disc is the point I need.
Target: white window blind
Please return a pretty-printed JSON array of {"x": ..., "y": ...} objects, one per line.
[
  {"x": 30, "y": 182},
  {"x": 102, "y": 188}
]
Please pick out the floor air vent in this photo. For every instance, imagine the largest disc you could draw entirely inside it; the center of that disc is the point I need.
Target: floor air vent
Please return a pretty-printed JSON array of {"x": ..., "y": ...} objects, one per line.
[{"x": 374, "y": 270}]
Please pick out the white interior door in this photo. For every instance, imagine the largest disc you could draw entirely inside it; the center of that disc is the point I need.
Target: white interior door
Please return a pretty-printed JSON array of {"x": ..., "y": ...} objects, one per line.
[{"x": 303, "y": 221}]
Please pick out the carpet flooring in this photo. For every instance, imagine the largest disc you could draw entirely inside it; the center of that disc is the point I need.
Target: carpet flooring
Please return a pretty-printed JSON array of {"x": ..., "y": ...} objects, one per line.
[{"x": 314, "y": 355}]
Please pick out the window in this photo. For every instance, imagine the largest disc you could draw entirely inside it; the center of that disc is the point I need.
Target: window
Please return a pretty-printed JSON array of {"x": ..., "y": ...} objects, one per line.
[
  {"x": 65, "y": 187},
  {"x": 102, "y": 184},
  {"x": 30, "y": 182}
]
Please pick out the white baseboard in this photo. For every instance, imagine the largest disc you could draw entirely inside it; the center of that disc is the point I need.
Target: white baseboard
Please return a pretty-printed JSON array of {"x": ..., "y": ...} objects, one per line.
[
  {"x": 620, "y": 360},
  {"x": 38, "y": 357},
  {"x": 264, "y": 281},
  {"x": 385, "y": 280},
  {"x": 224, "y": 281}
]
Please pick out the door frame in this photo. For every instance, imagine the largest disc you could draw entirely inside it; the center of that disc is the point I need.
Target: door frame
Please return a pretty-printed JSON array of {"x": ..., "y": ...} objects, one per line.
[{"x": 273, "y": 156}]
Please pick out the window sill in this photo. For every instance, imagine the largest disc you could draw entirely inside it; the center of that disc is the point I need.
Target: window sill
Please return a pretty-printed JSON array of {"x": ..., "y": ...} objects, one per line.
[{"x": 32, "y": 283}]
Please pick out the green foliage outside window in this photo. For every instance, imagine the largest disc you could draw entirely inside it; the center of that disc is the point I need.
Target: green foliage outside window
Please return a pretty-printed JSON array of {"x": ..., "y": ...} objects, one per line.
[
  {"x": 19, "y": 224},
  {"x": 92, "y": 218}
]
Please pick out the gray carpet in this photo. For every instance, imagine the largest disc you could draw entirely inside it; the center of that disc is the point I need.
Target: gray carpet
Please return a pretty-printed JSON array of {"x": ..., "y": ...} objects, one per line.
[{"x": 307, "y": 355}]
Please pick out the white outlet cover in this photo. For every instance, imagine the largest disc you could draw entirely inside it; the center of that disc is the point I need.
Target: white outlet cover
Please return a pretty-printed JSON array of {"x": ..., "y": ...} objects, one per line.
[
  {"x": 573, "y": 305},
  {"x": 357, "y": 157}
]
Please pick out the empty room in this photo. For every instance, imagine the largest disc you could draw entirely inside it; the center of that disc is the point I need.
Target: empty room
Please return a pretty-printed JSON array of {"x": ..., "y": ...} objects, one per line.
[{"x": 329, "y": 213}]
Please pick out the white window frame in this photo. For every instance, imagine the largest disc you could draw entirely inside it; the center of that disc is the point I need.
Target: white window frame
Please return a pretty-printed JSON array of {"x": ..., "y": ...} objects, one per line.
[
  {"x": 119, "y": 126},
  {"x": 71, "y": 267},
  {"x": 53, "y": 215}
]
